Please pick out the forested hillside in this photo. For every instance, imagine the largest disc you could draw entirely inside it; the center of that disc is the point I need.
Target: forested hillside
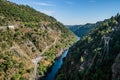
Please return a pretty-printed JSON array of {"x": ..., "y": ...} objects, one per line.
[
  {"x": 96, "y": 56},
  {"x": 27, "y": 34},
  {"x": 81, "y": 30}
]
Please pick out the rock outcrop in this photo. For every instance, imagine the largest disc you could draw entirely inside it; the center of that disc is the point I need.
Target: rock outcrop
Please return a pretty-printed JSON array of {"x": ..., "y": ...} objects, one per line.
[{"x": 116, "y": 69}]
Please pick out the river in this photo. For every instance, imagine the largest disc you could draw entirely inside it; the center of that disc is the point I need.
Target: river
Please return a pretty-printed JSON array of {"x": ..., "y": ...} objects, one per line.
[{"x": 57, "y": 65}]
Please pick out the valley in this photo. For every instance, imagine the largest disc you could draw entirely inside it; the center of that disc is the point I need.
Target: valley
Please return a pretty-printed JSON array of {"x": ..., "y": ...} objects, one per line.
[
  {"x": 36, "y": 46},
  {"x": 81, "y": 30}
]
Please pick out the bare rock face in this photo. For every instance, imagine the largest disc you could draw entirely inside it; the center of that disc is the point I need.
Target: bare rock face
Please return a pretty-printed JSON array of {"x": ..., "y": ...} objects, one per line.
[
  {"x": 116, "y": 68},
  {"x": 59, "y": 53}
]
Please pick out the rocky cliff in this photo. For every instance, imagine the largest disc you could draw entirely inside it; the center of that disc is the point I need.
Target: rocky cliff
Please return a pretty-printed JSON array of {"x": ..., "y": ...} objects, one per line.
[{"x": 116, "y": 68}]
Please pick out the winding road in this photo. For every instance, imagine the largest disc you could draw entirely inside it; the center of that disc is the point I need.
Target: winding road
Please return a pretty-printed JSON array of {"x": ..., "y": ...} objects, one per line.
[{"x": 40, "y": 57}]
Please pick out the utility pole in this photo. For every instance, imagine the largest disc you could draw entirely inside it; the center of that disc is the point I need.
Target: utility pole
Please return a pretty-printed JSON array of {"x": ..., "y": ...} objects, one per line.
[{"x": 106, "y": 44}]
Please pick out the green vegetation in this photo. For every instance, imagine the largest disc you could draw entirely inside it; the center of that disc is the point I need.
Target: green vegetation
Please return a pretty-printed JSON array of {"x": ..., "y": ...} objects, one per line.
[
  {"x": 81, "y": 30},
  {"x": 96, "y": 65},
  {"x": 32, "y": 32}
]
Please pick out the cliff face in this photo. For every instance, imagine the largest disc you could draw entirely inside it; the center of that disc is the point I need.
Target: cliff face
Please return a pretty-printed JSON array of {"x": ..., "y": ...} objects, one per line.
[
  {"x": 116, "y": 68},
  {"x": 94, "y": 56},
  {"x": 26, "y": 35}
]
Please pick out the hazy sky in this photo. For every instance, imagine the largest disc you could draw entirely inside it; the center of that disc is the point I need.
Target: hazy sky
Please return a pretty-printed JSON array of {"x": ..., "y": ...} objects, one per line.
[{"x": 75, "y": 11}]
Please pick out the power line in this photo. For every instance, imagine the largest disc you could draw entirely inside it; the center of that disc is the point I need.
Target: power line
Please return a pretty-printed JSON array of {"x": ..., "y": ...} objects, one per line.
[{"x": 106, "y": 45}]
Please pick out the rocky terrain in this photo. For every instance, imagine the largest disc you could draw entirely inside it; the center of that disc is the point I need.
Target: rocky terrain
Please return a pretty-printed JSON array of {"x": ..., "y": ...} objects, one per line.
[{"x": 96, "y": 55}]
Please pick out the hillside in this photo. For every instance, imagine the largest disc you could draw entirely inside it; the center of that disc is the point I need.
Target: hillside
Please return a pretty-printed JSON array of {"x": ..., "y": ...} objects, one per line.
[
  {"x": 81, "y": 30},
  {"x": 96, "y": 56},
  {"x": 27, "y": 35}
]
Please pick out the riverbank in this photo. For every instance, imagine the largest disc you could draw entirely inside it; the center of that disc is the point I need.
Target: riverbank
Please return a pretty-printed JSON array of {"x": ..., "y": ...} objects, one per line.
[
  {"x": 52, "y": 70},
  {"x": 55, "y": 67}
]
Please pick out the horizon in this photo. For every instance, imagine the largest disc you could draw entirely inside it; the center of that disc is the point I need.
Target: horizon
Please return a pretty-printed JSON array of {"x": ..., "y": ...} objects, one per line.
[{"x": 75, "y": 12}]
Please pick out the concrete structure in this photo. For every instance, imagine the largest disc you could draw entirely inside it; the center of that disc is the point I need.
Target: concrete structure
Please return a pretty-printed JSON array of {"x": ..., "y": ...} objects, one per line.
[{"x": 10, "y": 27}]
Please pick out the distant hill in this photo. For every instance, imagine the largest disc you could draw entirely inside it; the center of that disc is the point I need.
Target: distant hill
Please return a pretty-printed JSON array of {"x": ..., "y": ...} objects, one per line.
[
  {"x": 27, "y": 34},
  {"x": 96, "y": 56},
  {"x": 81, "y": 30}
]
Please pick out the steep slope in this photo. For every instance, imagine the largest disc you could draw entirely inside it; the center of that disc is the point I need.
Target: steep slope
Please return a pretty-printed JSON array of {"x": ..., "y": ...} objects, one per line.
[
  {"x": 81, "y": 30},
  {"x": 95, "y": 56},
  {"x": 27, "y": 35}
]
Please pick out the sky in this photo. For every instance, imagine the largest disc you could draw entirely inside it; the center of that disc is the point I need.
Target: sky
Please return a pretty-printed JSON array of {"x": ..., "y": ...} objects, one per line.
[{"x": 74, "y": 12}]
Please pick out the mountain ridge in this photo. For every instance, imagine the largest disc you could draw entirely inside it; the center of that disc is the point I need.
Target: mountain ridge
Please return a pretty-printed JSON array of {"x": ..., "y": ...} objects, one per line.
[
  {"x": 81, "y": 30},
  {"x": 94, "y": 57}
]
